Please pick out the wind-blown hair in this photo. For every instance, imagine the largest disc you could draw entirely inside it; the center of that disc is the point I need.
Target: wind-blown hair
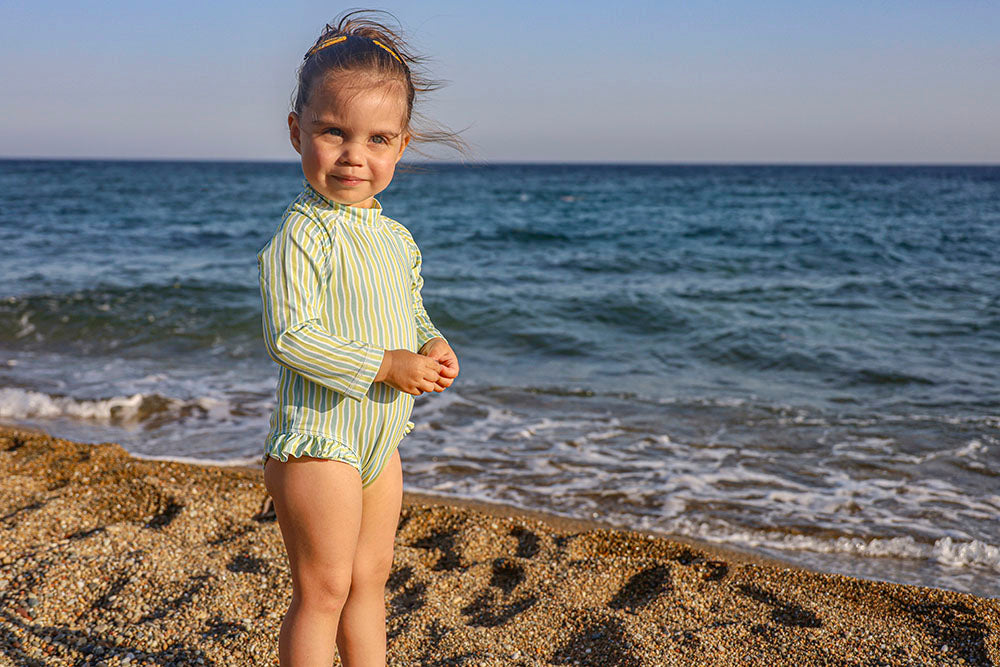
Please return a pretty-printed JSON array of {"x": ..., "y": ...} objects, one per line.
[{"x": 356, "y": 42}]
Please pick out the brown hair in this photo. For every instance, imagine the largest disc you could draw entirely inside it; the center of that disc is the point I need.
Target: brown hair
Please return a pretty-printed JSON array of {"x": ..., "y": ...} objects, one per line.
[{"x": 372, "y": 48}]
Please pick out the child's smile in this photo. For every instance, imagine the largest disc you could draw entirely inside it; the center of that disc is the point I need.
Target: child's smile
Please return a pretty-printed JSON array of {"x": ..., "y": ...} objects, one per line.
[{"x": 350, "y": 138}]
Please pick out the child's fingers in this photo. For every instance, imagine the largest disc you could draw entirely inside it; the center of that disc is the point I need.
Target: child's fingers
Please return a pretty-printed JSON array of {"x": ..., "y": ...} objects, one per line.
[
  {"x": 433, "y": 372},
  {"x": 427, "y": 385},
  {"x": 426, "y": 365},
  {"x": 446, "y": 375},
  {"x": 427, "y": 374}
]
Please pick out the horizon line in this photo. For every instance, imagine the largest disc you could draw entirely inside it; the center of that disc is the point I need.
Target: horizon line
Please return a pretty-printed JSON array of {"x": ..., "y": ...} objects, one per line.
[{"x": 554, "y": 163}]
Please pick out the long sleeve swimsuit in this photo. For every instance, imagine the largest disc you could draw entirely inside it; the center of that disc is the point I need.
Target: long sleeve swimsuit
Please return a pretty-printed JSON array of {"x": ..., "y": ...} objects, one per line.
[{"x": 340, "y": 285}]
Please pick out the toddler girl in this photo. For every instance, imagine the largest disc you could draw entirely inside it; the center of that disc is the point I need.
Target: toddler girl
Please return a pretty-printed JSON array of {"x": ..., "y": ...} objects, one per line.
[{"x": 344, "y": 320}]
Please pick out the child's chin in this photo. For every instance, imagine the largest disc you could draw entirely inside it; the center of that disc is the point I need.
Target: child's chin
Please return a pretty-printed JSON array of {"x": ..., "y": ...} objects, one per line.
[
  {"x": 364, "y": 203},
  {"x": 346, "y": 198}
]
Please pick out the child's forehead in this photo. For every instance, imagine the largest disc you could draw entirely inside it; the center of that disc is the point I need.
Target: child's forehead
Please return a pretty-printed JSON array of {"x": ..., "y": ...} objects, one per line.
[
  {"x": 347, "y": 85},
  {"x": 339, "y": 95}
]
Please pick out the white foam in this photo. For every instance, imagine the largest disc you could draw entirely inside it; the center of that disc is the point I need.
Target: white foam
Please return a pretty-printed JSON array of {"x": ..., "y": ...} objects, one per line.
[
  {"x": 25, "y": 404},
  {"x": 960, "y": 553},
  {"x": 214, "y": 408},
  {"x": 239, "y": 461},
  {"x": 651, "y": 480},
  {"x": 972, "y": 450},
  {"x": 944, "y": 550},
  {"x": 27, "y": 328}
]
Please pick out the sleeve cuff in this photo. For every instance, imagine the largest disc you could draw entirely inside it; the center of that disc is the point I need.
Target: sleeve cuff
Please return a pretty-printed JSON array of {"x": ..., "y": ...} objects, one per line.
[
  {"x": 366, "y": 373},
  {"x": 430, "y": 335}
]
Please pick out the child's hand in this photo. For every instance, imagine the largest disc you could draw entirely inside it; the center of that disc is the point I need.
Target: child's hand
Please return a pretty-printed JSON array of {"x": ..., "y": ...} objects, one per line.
[
  {"x": 409, "y": 372},
  {"x": 439, "y": 350}
]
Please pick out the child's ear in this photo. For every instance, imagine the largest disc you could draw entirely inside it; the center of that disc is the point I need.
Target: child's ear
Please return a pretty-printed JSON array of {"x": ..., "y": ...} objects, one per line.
[
  {"x": 294, "y": 132},
  {"x": 403, "y": 144}
]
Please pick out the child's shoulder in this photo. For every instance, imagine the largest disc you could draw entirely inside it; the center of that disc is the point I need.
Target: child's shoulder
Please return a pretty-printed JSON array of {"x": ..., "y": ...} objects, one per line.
[
  {"x": 305, "y": 204},
  {"x": 304, "y": 216},
  {"x": 399, "y": 229}
]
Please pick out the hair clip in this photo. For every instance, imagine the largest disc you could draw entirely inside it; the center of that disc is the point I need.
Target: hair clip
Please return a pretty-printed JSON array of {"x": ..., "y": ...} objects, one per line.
[
  {"x": 391, "y": 52},
  {"x": 337, "y": 40},
  {"x": 325, "y": 43}
]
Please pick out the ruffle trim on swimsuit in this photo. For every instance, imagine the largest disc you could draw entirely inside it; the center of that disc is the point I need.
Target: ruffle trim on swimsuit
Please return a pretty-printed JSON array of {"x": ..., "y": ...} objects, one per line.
[
  {"x": 280, "y": 446},
  {"x": 408, "y": 428}
]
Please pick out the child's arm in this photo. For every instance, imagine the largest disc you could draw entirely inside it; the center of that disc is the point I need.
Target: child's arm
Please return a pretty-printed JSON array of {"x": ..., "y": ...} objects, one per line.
[
  {"x": 293, "y": 274},
  {"x": 425, "y": 328},
  {"x": 431, "y": 343}
]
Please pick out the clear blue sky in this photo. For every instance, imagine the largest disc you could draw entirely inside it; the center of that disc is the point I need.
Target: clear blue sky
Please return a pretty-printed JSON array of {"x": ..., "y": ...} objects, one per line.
[{"x": 848, "y": 81}]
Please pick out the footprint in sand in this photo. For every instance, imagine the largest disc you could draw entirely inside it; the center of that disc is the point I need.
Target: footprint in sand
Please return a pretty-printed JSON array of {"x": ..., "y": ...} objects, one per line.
[
  {"x": 247, "y": 563},
  {"x": 786, "y": 613},
  {"x": 488, "y": 610},
  {"x": 409, "y": 596},
  {"x": 602, "y": 642},
  {"x": 443, "y": 541},
  {"x": 643, "y": 588},
  {"x": 527, "y": 542}
]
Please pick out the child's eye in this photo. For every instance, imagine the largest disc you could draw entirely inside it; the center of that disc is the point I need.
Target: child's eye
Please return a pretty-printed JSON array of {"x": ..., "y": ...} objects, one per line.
[
  {"x": 335, "y": 131},
  {"x": 379, "y": 139}
]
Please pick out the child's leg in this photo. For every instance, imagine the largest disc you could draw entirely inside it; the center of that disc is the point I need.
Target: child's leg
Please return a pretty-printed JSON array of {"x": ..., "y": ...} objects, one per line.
[
  {"x": 318, "y": 503},
  {"x": 361, "y": 638}
]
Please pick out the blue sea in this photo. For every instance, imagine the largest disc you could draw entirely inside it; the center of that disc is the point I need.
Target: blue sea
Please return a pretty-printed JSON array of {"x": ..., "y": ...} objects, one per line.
[{"x": 799, "y": 361}]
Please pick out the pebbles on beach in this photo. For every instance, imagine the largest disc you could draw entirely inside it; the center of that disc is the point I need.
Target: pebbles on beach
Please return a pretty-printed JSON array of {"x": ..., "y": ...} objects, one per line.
[{"x": 110, "y": 560}]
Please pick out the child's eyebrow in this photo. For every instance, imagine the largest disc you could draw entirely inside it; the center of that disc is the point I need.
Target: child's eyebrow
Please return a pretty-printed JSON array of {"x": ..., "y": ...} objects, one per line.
[{"x": 323, "y": 120}]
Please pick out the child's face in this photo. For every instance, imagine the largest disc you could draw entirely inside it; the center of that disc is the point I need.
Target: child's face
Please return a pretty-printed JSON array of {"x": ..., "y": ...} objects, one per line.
[{"x": 350, "y": 139}]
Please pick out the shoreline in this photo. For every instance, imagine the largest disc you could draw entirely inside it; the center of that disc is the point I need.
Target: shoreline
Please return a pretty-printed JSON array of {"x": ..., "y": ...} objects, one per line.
[
  {"x": 108, "y": 558},
  {"x": 573, "y": 524}
]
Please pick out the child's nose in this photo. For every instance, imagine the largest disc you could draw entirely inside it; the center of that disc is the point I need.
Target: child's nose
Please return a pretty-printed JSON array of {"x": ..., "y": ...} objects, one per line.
[{"x": 350, "y": 154}]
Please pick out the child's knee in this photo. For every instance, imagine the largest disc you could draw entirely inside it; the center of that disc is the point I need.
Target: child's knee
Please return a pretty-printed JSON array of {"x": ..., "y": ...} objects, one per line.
[
  {"x": 325, "y": 591},
  {"x": 372, "y": 571}
]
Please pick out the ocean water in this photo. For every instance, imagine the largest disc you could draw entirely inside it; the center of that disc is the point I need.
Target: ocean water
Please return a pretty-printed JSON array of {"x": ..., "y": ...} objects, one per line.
[{"x": 801, "y": 361}]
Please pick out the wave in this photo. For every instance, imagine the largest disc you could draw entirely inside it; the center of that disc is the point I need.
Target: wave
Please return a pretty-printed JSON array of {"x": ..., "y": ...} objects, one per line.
[
  {"x": 232, "y": 462},
  {"x": 555, "y": 229},
  {"x": 944, "y": 550},
  {"x": 106, "y": 319},
  {"x": 522, "y": 235},
  {"x": 148, "y": 409}
]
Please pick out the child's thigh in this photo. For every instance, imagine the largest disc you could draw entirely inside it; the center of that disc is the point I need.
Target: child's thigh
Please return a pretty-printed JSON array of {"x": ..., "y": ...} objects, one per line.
[
  {"x": 381, "y": 502},
  {"x": 318, "y": 503}
]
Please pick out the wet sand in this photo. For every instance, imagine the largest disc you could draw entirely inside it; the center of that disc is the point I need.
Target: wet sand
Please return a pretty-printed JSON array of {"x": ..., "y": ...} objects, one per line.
[{"x": 109, "y": 559}]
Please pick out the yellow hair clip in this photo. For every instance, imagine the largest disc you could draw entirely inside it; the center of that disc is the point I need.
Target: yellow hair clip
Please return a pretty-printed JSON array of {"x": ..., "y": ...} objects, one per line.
[
  {"x": 325, "y": 43},
  {"x": 391, "y": 52},
  {"x": 337, "y": 40}
]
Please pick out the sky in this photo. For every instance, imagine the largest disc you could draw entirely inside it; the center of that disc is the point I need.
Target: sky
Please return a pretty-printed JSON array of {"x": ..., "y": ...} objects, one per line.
[{"x": 544, "y": 81}]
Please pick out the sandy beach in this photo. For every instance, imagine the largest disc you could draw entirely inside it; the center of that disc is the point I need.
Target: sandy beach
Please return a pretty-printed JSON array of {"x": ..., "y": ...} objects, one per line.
[{"x": 112, "y": 560}]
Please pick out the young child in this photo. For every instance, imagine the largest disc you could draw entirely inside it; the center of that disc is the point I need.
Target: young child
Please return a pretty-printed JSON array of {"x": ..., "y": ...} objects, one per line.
[{"x": 344, "y": 319}]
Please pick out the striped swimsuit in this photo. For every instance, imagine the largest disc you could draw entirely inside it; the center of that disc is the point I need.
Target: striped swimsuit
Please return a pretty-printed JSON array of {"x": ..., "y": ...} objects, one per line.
[{"x": 340, "y": 285}]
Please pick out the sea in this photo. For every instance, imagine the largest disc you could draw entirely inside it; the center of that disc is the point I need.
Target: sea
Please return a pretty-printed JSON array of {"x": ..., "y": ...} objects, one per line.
[{"x": 802, "y": 362}]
